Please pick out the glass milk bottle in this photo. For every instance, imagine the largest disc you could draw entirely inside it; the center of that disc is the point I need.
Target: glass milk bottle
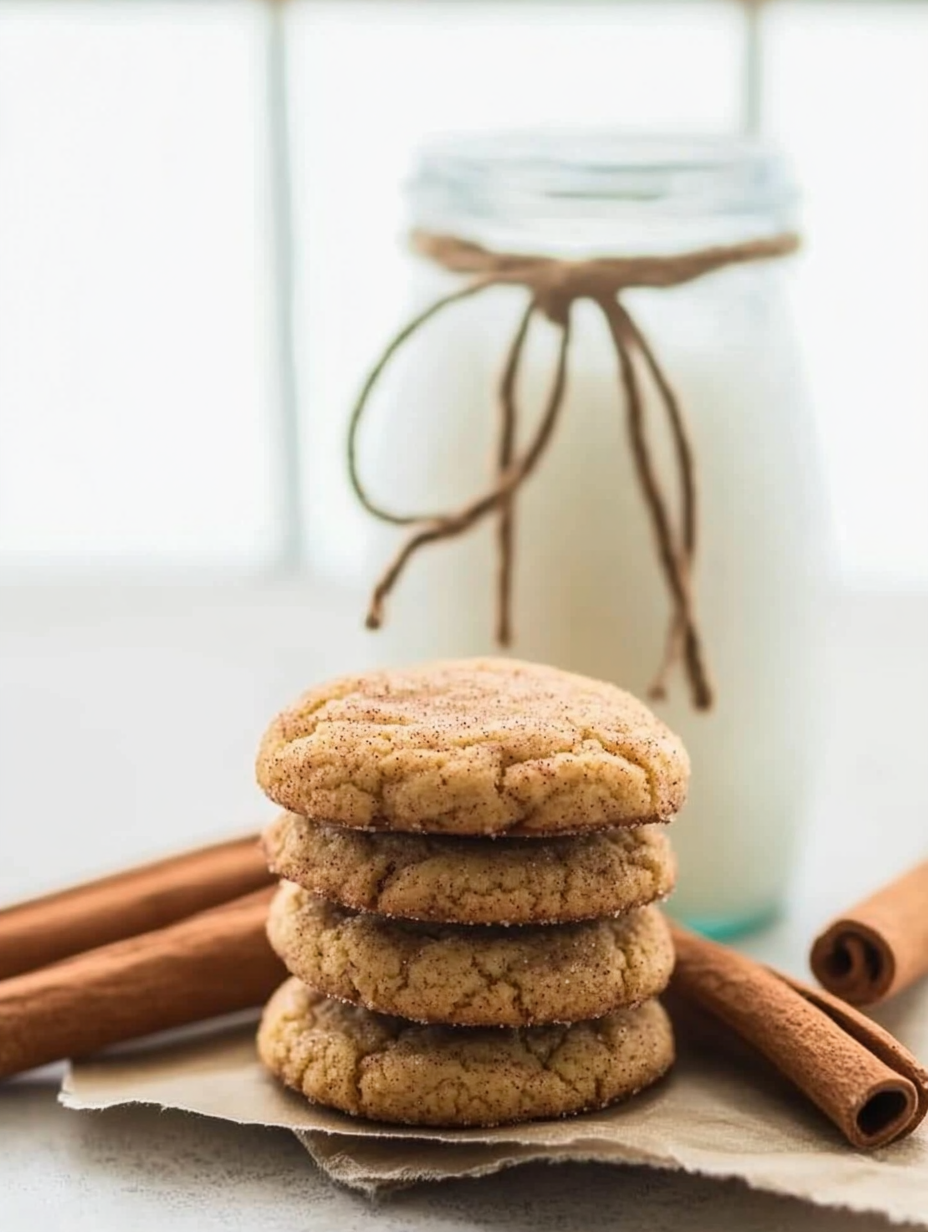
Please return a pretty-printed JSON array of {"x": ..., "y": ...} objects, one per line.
[{"x": 588, "y": 592}]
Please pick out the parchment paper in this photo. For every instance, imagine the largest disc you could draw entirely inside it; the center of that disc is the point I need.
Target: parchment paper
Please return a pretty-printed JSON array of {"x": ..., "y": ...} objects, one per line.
[{"x": 721, "y": 1112}]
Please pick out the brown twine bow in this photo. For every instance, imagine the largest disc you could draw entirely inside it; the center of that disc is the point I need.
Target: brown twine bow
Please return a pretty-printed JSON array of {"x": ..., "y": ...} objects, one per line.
[{"x": 554, "y": 285}]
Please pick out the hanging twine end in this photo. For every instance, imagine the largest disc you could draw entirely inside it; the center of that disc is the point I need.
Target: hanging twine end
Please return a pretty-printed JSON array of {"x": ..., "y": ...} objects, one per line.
[
  {"x": 703, "y": 696},
  {"x": 374, "y": 618},
  {"x": 701, "y": 689}
]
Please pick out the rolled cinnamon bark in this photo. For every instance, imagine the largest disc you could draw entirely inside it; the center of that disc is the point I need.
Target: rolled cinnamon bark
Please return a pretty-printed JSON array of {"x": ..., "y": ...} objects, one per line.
[
  {"x": 45, "y": 930},
  {"x": 209, "y": 964},
  {"x": 871, "y": 1087},
  {"x": 880, "y": 946}
]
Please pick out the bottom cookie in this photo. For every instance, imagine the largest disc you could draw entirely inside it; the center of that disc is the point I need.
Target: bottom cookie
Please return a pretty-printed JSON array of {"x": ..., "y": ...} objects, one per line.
[{"x": 388, "y": 1069}]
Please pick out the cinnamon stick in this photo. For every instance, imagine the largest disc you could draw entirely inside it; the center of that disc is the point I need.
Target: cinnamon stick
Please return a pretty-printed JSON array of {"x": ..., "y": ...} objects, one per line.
[
  {"x": 209, "y": 964},
  {"x": 871, "y": 1087},
  {"x": 880, "y": 946},
  {"x": 45, "y": 930}
]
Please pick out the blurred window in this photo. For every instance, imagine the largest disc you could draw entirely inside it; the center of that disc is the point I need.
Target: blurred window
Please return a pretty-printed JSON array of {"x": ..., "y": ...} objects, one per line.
[
  {"x": 136, "y": 389},
  {"x": 200, "y": 212}
]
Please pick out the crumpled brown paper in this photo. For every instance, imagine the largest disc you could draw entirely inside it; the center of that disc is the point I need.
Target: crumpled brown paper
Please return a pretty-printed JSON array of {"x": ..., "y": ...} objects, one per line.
[{"x": 721, "y": 1112}]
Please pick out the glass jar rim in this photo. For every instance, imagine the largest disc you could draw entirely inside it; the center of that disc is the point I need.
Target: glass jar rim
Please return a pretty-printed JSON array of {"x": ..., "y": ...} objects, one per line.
[{"x": 590, "y": 174}]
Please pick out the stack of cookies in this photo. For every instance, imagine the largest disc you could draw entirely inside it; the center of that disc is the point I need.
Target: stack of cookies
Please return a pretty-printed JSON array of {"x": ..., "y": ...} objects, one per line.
[{"x": 470, "y": 859}]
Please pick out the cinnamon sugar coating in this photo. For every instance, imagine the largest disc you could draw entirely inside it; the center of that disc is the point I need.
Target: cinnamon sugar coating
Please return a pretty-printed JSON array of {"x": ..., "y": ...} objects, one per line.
[
  {"x": 390, "y": 1070},
  {"x": 478, "y": 746},
  {"x": 472, "y": 975},
  {"x": 466, "y": 880}
]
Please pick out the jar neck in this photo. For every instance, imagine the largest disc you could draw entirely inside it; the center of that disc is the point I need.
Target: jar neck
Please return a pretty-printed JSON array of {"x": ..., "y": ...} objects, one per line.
[{"x": 600, "y": 194}]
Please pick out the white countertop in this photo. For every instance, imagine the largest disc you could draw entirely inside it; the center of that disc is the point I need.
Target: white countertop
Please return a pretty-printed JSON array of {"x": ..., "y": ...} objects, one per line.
[{"x": 128, "y": 722}]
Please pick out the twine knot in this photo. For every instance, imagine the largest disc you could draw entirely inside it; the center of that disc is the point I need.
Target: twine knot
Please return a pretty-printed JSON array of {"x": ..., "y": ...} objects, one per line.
[{"x": 553, "y": 286}]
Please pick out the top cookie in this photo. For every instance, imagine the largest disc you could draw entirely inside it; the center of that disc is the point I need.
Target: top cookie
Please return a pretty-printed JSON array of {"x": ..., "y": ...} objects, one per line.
[{"x": 473, "y": 746}]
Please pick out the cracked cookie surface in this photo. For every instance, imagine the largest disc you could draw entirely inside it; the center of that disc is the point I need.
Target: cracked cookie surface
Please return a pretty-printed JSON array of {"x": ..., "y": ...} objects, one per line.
[
  {"x": 472, "y": 975},
  {"x": 473, "y": 746},
  {"x": 471, "y": 880},
  {"x": 386, "y": 1069}
]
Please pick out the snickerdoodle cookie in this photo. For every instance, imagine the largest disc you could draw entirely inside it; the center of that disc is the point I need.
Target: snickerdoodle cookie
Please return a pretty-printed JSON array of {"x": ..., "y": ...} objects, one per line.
[
  {"x": 472, "y": 880},
  {"x": 471, "y": 975},
  {"x": 478, "y": 746},
  {"x": 389, "y": 1070}
]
